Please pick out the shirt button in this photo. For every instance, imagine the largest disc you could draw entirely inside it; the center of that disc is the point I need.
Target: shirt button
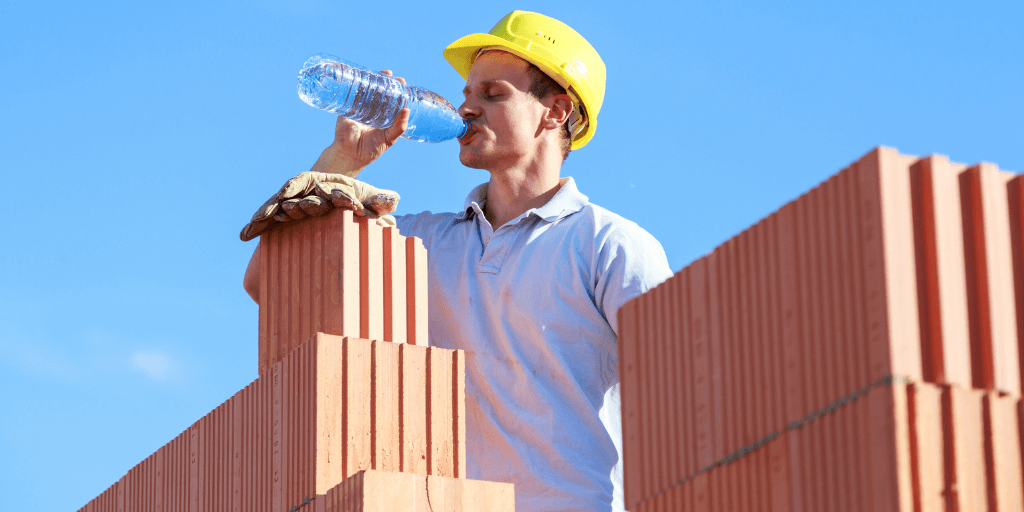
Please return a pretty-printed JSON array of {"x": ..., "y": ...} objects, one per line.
[{"x": 487, "y": 239}]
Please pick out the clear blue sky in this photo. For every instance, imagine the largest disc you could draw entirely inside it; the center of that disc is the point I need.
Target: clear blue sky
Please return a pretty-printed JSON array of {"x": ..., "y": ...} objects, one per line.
[{"x": 136, "y": 139}]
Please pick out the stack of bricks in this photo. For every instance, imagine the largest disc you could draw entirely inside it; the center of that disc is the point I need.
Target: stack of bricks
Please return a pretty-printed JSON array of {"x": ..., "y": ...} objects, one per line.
[
  {"x": 352, "y": 409},
  {"x": 856, "y": 350}
]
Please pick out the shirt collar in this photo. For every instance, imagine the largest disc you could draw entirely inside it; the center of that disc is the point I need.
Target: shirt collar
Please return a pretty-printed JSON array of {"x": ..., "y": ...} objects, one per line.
[
  {"x": 474, "y": 203},
  {"x": 567, "y": 201}
]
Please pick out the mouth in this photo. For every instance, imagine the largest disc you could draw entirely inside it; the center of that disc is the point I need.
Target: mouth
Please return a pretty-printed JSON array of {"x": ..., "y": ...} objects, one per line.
[{"x": 468, "y": 137}]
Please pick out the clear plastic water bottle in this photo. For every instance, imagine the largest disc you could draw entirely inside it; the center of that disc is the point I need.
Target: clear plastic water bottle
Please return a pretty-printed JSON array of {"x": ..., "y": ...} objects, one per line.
[{"x": 336, "y": 85}]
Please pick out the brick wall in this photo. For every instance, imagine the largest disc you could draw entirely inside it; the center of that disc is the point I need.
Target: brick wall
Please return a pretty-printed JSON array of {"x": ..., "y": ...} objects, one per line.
[{"x": 791, "y": 367}]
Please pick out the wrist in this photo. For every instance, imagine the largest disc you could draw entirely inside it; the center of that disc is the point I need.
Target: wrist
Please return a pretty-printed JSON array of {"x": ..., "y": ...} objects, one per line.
[{"x": 335, "y": 160}]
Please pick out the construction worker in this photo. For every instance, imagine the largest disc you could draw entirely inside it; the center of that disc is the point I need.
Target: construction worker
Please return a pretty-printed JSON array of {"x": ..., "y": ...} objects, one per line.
[{"x": 528, "y": 277}]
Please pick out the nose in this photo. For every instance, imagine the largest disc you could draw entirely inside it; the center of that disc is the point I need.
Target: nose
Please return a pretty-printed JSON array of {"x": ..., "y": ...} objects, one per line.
[{"x": 467, "y": 110}]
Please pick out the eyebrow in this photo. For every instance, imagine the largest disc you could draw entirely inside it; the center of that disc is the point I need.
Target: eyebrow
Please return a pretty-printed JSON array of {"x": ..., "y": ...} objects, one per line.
[{"x": 485, "y": 83}]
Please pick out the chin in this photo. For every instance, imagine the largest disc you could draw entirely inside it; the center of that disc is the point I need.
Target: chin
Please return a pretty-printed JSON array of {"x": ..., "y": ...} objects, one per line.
[{"x": 472, "y": 160}]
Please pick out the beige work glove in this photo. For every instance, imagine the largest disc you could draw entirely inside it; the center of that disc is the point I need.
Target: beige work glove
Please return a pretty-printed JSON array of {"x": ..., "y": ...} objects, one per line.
[{"x": 312, "y": 194}]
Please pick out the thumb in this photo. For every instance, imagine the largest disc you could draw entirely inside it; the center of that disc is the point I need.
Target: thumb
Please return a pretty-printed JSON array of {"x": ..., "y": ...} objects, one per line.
[{"x": 397, "y": 128}]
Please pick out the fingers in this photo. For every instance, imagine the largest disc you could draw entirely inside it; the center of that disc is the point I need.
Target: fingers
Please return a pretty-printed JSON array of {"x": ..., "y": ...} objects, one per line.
[
  {"x": 253, "y": 229},
  {"x": 382, "y": 204},
  {"x": 388, "y": 73},
  {"x": 266, "y": 211},
  {"x": 344, "y": 200},
  {"x": 397, "y": 128},
  {"x": 315, "y": 206},
  {"x": 377, "y": 200},
  {"x": 292, "y": 210},
  {"x": 401, "y": 123},
  {"x": 341, "y": 196}
]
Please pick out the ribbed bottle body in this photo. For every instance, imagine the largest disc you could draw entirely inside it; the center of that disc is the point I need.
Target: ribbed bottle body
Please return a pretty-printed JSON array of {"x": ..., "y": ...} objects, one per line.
[{"x": 350, "y": 90}]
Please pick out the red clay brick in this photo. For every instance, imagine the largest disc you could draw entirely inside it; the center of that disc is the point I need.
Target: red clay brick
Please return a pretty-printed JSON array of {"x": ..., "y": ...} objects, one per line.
[
  {"x": 377, "y": 491},
  {"x": 990, "y": 278},
  {"x": 416, "y": 292},
  {"x": 328, "y": 274},
  {"x": 1002, "y": 436},
  {"x": 629, "y": 383},
  {"x": 395, "y": 328},
  {"x": 306, "y": 425}
]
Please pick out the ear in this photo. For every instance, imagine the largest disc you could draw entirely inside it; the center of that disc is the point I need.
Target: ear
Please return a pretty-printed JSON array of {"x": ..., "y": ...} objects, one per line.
[{"x": 557, "y": 113}]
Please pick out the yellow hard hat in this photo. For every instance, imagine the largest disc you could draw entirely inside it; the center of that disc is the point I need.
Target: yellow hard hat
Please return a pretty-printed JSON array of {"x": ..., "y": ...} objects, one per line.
[{"x": 555, "y": 48}]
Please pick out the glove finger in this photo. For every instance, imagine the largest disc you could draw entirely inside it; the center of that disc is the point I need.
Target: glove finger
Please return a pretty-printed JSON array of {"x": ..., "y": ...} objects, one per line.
[
  {"x": 291, "y": 208},
  {"x": 379, "y": 200},
  {"x": 383, "y": 203},
  {"x": 266, "y": 211},
  {"x": 282, "y": 217},
  {"x": 254, "y": 229},
  {"x": 344, "y": 200},
  {"x": 325, "y": 189},
  {"x": 386, "y": 221},
  {"x": 315, "y": 206}
]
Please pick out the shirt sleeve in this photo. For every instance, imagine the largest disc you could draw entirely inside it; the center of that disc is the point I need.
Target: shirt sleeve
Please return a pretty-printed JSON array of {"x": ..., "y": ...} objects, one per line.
[
  {"x": 630, "y": 262},
  {"x": 423, "y": 225}
]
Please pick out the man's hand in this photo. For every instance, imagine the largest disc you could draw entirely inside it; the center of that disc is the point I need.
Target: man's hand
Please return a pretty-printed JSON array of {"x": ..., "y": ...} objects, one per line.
[
  {"x": 357, "y": 145},
  {"x": 330, "y": 184},
  {"x": 312, "y": 194}
]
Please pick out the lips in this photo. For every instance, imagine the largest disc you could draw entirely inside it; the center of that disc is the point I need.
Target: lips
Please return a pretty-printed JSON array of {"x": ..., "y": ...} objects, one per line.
[{"x": 468, "y": 137}]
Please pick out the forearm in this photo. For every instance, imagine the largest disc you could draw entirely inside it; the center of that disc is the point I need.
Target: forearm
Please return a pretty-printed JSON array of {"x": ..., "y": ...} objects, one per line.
[{"x": 251, "y": 281}]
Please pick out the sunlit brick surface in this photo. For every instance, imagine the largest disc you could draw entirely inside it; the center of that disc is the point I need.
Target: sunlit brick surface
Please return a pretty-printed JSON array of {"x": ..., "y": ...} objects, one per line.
[
  {"x": 375, "y": 491},
  {"x": 741, "y": 374},
  {"x": 329, "y": 409},
  {"x": 339, "y": 274}
]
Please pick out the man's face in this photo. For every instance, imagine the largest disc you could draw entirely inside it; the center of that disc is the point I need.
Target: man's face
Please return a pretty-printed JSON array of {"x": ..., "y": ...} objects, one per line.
[{"x": 505, "y": 117}]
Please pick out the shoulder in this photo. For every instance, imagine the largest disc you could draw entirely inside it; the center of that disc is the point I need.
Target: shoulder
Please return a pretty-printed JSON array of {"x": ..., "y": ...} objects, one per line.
[
  {"x": 625, "y": 260},
  {"x": 613, "y": 233},
  {"x": 425, "y": 224},
  {"x": 619, "y": 248}
]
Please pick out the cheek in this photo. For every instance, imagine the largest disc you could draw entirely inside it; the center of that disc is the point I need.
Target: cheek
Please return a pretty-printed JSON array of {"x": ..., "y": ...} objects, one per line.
[{"x": 517, "y": 124}]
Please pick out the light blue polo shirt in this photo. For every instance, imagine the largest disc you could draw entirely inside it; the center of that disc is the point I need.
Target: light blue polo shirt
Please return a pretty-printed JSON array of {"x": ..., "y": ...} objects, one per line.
[{"x": 533, "y": 303}]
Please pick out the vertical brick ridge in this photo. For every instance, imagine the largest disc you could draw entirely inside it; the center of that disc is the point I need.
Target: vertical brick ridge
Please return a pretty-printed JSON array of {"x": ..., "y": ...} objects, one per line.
[
  {"x": 345, "y": 399},
  {"x": 374, "y": 427},
  {"x": 429, "y": 409},
  {"x": 915, "y": 450},
  {"x": 990, "y": 464},
  {"x": 458, "y": 415},
  {"x": 402, "y": 462},
  {"x": 976, "y": 261},
  {"x": 395, "y": 311},
  {"x": 416, "y": 298},
  {"x": 318, "y": 265},
  {"x": 922, "y": 200},
  {"x": 292, "y": 301},
  {"x": 276, "y": 459},
  {"x": 304, "y": 285},
  {"x": 1015, "y": 198}
]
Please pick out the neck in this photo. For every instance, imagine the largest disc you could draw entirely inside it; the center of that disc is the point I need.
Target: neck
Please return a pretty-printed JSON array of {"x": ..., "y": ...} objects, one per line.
[{"x": 516, "y": 190}]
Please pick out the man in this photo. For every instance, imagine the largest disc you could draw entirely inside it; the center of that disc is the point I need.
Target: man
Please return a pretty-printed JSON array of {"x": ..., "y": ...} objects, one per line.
[{"x": 528, "y": 278}]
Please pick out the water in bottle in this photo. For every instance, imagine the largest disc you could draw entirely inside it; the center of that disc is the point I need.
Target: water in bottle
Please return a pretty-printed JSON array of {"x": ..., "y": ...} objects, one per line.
[{"x": 350, "y": 90}]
